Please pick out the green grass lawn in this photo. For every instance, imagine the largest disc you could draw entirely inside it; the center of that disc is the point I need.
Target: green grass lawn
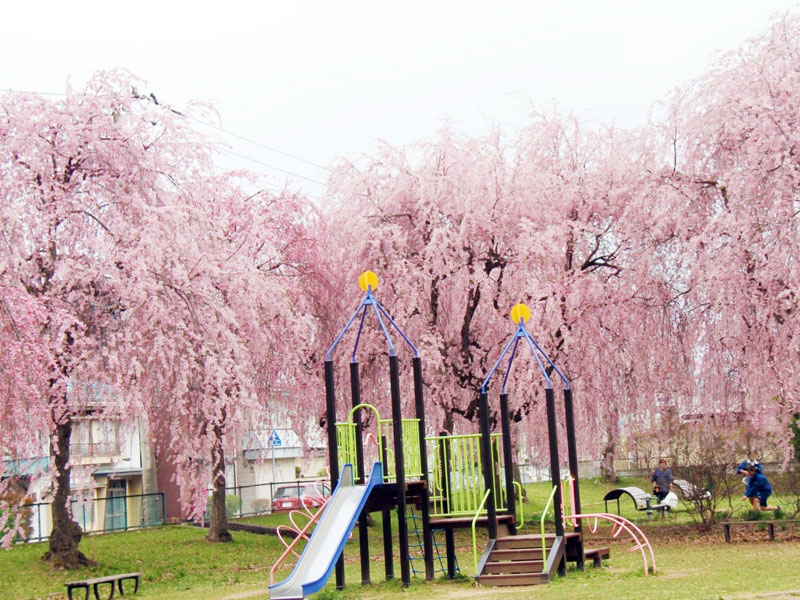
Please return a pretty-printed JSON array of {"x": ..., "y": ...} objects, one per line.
[{"x": 177, "y": 562}]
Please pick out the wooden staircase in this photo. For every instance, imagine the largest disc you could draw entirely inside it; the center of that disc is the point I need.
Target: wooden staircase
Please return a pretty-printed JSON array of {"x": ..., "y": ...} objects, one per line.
[{"x": 517, "y": 559}]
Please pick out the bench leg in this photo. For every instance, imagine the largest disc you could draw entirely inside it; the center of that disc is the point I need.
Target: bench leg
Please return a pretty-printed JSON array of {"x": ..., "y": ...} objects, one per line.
[
  {"x": 97, "y": 592},
  {"x": 727, "y": 531},
  {"x": 135, "y": 585},
  {"x": 72, "y": 587},
  {"x": 771, "y": 527}
]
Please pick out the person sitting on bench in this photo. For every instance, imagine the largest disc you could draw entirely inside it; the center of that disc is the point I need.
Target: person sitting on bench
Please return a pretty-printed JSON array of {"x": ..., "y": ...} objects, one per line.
[
  {"x": 662, "y": 481},
  {"x": 758, "y": 489}
]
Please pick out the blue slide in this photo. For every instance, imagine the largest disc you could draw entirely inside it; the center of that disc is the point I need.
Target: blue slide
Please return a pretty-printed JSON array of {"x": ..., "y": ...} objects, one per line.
[{"x": 316, "y": 563}]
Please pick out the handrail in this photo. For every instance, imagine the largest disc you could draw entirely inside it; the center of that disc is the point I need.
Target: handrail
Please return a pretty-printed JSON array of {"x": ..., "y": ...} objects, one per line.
[
  {"x": 301, "y": 535},
  {"x": 521, "y": 507},
  {"x": 541, "y": 522},
  {"x": 474, "y": 537}
]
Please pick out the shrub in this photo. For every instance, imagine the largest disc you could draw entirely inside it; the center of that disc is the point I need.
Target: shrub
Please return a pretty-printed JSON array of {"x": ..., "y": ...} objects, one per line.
[
  {"x": 260, "y": 505},
  {"x": 233, "y": 506},
  {"x": 753, "y": 515},
  {"x": 15, "y": 503},
  {"x": 787, "y": 486}
]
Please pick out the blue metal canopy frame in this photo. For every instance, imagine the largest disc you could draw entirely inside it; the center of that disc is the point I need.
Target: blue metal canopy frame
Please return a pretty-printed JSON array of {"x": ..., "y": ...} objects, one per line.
[
  {"x": 383, "y": 318},
  {"x": 542, "y": 358},
  {"x": 522, "y": 333},
  {"x": 363, "y": 307}
]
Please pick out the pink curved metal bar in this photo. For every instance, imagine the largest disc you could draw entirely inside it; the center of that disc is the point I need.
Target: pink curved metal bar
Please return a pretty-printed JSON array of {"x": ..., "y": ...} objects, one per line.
[
  {"x": 290, "y": 547},
  {"x": 305, "y": 512},
  {"x": 295, "y": 527},
  {"x": 621, "y": 524},
  {"x": 572, "y": 499},
  {"x": 283, "y": 541}
]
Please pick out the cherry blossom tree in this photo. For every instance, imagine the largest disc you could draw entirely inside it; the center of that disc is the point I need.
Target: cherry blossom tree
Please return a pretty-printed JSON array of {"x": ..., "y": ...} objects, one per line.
[
  {"x": 557, "y": 219},
  {"x": 660, "y": 264},
  {"x": 78, "y": 175},
  {"x": 734, "y": 168},
  {"x": 30, "y": 335},
  {"x": 215, "y": 318}
]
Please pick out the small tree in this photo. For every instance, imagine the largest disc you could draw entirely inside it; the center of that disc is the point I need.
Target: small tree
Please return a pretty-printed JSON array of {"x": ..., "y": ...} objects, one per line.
[{"x": 708, "y": 469}]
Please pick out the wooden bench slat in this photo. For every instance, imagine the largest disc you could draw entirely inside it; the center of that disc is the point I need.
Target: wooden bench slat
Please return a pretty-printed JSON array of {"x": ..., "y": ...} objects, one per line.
[{"x": 104, "y": 579}]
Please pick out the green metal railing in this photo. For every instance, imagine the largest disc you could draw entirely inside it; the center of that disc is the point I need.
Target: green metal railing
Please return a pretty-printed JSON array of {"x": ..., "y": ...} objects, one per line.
[
  {"x": 457, "y": 482},
  {"x": 412, "y": 449},
  {"x": 541, "y": 522},
  {"x": 474, "y": 536}
]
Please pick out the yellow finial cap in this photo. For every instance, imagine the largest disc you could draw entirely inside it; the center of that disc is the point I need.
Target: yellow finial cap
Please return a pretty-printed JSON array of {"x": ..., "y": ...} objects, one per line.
[
  {"x": 520, "y": 312},
  {"x": 368, "y": 279}
]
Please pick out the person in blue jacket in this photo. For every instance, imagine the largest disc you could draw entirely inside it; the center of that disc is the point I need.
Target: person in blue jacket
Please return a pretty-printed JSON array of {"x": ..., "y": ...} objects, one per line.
[
  {"x": 662, "y": 480},
  {"x": 752, "y": 459},
  {"x": 758, "y": 489}
]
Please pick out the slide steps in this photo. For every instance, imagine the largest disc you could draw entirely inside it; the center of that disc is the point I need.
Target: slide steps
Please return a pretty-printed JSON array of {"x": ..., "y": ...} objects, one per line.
[{"x": 517, "y": 560}]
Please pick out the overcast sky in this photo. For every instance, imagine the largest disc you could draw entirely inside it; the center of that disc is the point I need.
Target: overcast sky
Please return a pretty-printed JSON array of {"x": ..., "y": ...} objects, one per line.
[{"x": 326, "y": 79}]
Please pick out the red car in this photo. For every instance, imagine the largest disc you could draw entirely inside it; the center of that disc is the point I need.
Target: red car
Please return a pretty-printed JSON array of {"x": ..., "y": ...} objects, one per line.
[{"x": 288, "y": 497}]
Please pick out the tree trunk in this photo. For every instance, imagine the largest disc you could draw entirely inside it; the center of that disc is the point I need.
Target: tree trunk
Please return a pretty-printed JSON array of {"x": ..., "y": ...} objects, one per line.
[
  {"x": 447, "y": 421},
  {"x": 518, "y": 477},
  {"x": 152, "y": 509},
  {"x": 66, "y": 535},
  {"x": 607, "y": 470},
  {"x": 517, "y": 473},
  {"x": 218, "y": 525}
]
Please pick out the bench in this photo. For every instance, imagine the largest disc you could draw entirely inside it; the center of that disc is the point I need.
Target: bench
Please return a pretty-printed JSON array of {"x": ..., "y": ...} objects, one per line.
[
  {"x": 690, "y": 491},
  {"x": 641, "y": 499},
  {"x": 98, "y": 581},
  {"x": 726, "y": 526}
]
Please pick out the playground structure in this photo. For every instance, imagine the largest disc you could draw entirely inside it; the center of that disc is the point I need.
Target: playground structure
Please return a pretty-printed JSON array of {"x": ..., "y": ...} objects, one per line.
[{"x": 468, "y": 481}]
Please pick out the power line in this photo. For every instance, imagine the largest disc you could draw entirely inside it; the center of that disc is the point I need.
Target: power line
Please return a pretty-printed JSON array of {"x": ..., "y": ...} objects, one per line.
[
  {"x": 255, "y": 160},
  {"x": 257, "y": 143},
  {"x": 220, "y": 129}
]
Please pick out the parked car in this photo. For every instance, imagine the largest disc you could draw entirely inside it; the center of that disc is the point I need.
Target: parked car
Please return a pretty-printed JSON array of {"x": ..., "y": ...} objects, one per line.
[{"x": 288, "y": 497}]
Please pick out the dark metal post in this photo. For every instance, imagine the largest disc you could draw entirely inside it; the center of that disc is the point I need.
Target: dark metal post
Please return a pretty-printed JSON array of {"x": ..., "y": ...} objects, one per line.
[
  {"x": 555, "y": 474},
  {"x": 400, "y": 470},
  {"x": 333, "y": 451},
  {"x": 450, "y": 548},
  {"x": 572, "y": 450},
  {"x": 355, "y": 391},
  {"x": 486, "y": 452},
  {"x": 363, "y": 529},
  {"x": 427, "y": 534},
  {"x": 508, "y": 458},
  {"x": 387, "y": 523}
]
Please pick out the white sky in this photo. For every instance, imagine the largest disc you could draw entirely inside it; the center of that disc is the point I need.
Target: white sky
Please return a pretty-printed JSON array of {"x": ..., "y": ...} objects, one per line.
[{"x": 326, "y": 79}]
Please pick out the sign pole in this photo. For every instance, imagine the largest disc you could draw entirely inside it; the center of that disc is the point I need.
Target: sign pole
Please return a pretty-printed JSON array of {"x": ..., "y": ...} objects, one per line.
[{"x": 273, "y": 441}]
